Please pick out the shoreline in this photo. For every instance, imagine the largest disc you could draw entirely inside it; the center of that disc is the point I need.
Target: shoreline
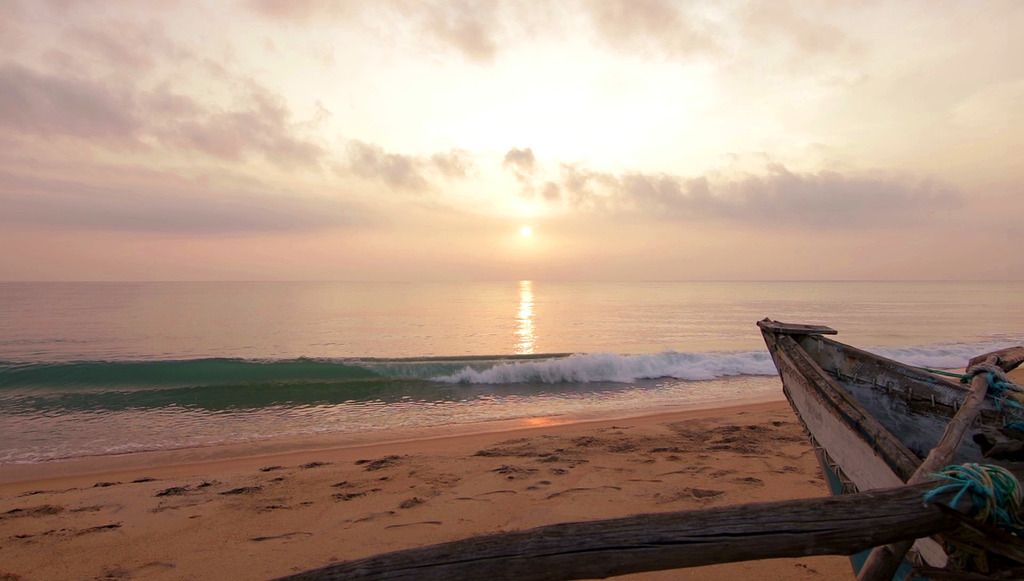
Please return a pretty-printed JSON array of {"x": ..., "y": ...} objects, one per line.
[{"x": 254, "y": 450}]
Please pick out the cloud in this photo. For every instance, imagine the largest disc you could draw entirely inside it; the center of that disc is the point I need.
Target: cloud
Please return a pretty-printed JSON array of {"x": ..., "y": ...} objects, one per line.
[
  {"x": 302, "y": 10},
  {"x": 523, "y": 164},
  {"x": 465, "y": 26},
  {"x": 37, "y": 103},
  {"x": 778, "y": 197},
  {"x": 145, "y": 201},
  {"x": 259, "y": 124},
  {"x": 551, "y": 192},
  {"x": 780, "y": 22},
  {"x": 396, "y": 170},
  {"x": 650, "y": 26},
  {"x": 406, "y": 172},
  {"x": 456, "y": 163}
]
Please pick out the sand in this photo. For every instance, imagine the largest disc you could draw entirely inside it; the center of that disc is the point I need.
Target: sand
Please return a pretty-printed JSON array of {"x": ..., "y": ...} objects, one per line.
[{"x": 256, "y": 512}]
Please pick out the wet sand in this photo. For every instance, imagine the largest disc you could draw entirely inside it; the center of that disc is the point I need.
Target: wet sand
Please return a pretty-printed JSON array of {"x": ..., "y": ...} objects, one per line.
[{"x": 256, "y": 514}]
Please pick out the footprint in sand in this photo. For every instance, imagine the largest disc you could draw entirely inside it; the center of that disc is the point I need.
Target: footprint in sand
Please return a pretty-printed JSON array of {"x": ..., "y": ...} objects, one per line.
[
  {"x": 379, "y": 463},
  {"x": 347, "y": 496},
  {"x": 273, "y": 507},
  {"x": 281, "y": 537},
  {"x": 424, "y": 522},
  {"x": 375, "y": 516},
  {"x": 493, "y": 492},
  {"x": 242, "y": 490},
  {"x": 411, "y": 502},
  {"x": 572, "y": 490},
  {"x": 41, "y": 510},
  {"x": 514, "y": 472},
  {"x": 690, "y": 494}
]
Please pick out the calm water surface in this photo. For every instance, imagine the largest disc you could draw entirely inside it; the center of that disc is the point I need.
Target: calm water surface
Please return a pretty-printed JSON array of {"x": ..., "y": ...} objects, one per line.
[{"x": 90, "y": 368}]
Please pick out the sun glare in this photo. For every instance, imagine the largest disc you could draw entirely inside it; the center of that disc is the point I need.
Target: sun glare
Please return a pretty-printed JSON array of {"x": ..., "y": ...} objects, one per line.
[{"x": 526, "y": 231}]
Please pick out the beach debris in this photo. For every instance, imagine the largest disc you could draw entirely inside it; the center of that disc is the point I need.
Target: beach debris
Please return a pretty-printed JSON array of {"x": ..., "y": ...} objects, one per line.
[
  {"x": 105, "y": 484},
  {"x": 316, "y": 464},
  {"x": 379, "y": 463},
  {"x": 143, "y": 479},
  {"x": 270, "y": 468}
]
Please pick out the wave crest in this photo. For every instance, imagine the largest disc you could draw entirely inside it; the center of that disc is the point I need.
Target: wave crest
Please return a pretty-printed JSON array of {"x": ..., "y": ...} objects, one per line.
[{"x": 612, "y": 367}]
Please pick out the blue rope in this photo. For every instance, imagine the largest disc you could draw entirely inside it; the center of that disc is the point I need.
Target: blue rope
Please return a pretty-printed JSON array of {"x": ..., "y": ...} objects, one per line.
[
  {"x": 1017, "y": 425},
  {"x": 996, "y": 495}
]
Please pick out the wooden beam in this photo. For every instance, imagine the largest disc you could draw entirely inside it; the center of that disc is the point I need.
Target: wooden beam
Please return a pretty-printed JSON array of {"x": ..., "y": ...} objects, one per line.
[
  {"x": 1007, "y": 359},
  {"x": 882, "y": 562},
  {"x": 841, "y": 525},
  {"x": 795, "y": 328}
]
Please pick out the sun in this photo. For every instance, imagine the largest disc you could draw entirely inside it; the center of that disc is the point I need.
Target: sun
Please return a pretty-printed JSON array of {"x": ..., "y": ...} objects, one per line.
[{"x": 526, "y": 231}]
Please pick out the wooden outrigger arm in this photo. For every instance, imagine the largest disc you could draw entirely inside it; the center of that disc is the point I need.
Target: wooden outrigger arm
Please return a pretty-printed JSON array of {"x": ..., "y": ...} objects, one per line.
[{"x": 839, "y": 525}]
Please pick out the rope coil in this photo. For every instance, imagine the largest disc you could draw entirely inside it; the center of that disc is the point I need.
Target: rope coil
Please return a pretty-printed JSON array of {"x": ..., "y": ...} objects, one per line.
[{"x": 995, "y": 493}]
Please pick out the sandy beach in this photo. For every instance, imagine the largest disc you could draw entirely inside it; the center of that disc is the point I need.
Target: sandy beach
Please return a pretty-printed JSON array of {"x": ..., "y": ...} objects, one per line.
[{"x": 256, "y": 513}]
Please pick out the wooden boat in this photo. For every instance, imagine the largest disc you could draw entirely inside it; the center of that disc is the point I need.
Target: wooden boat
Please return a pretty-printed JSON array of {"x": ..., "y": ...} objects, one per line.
[
  {"x": 873, "y": 421},
  {"x": 880, "y": 429}
]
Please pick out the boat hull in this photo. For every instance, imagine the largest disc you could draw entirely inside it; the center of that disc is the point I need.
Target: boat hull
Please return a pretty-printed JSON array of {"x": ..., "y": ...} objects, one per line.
[{"x": 855, "y": 452}]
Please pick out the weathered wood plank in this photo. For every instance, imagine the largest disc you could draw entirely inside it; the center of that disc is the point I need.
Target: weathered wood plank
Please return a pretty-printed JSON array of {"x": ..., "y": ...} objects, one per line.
[
  {"x": 882, "y": 562},
  {"x": 840, "y": 525},
  {"x": 795, "y": 328},
  {"x": 1007, "y": 359}
]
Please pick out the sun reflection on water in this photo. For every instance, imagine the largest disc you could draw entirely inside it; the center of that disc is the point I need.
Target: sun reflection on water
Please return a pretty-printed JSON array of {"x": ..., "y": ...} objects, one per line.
[{"x": 525, "y": 337}]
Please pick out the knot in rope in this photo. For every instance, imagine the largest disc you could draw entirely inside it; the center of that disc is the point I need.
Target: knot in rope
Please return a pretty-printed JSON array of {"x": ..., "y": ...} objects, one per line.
[
  {"x": 995, "y": 493},
  {"x": 1000, "y": 388},
  {"x": 995, "y": 372}
]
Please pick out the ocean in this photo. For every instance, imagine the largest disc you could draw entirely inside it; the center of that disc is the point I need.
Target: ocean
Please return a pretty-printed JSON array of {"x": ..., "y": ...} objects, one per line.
[{"x": 109, "y": 368}]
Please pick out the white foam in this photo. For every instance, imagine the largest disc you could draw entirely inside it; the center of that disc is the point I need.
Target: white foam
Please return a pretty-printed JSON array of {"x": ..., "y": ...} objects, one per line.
[{"x": 611, "y": 367}]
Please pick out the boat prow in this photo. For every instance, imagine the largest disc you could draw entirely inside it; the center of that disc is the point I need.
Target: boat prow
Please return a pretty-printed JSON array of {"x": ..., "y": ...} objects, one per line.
[{"x": 873, "y": 421}]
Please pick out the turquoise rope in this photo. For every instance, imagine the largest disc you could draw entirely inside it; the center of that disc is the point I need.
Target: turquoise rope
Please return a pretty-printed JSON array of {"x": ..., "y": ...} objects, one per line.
[
  {"x": 996, "y": 495},
  {"x": 962, "y": 377},
  {"x": 996, "y": 388}
]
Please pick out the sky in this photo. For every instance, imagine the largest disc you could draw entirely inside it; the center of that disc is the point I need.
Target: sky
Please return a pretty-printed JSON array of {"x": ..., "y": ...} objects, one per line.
[{"x": 416, "y": 140}]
